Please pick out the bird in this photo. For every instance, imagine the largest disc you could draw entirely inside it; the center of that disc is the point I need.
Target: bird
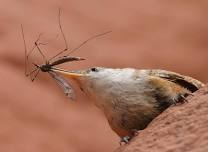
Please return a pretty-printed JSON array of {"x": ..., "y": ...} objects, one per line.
[{"x": 131, "y": 98}]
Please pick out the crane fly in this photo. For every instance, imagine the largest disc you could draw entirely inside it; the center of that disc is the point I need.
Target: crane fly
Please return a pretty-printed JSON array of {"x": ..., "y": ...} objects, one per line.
[{"x": 55, "y": 60}]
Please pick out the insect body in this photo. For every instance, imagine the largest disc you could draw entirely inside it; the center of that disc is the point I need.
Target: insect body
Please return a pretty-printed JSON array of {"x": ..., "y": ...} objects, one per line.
[{"x": 48, "y": 66}]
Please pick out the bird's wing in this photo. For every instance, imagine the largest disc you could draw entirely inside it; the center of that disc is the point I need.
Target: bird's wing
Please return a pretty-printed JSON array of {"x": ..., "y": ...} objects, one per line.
[{"x": 187, "y": 82}]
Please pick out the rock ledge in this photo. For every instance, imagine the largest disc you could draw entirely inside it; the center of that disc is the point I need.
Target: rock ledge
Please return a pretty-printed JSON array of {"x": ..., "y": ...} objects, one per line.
[{"x": 181, "y": 128}]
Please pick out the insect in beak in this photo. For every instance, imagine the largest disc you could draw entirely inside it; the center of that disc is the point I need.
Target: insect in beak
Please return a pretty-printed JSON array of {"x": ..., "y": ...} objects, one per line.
[{"x": 55, "y": 60}]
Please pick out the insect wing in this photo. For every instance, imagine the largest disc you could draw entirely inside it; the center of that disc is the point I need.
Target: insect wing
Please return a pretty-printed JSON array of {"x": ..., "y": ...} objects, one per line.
[{"x": 68, "y": 90}]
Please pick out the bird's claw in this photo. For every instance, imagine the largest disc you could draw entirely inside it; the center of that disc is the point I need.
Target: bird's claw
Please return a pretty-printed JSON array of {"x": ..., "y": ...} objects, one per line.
[
  {"x": 181, "y": 98},
  {"x": 125, "y": 140}
]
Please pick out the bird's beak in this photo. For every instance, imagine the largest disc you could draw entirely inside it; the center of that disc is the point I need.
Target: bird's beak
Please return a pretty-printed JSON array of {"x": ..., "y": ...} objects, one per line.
[{"x": 69, "y": 74}]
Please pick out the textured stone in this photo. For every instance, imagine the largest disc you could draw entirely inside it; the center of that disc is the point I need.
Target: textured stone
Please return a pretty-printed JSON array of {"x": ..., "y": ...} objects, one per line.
[{"x": 181, "y": 128}]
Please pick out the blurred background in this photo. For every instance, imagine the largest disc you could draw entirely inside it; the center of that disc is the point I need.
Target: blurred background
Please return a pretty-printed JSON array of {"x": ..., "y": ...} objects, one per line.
[{"x": 170, "y": 35}]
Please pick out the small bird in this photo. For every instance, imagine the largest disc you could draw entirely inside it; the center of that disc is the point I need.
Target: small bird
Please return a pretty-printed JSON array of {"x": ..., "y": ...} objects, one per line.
[{"x": 131, "y": 98}]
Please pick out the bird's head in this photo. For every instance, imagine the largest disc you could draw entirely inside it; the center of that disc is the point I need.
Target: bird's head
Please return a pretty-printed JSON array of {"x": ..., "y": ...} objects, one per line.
[{"x": 99, "y": 80}]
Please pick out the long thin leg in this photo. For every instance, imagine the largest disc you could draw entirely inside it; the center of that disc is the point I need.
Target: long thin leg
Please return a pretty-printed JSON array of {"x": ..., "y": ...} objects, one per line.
[
  {"x": 79, "y": 46},
  {"x": 33, "y": 48},
  {"x": 29, "y": 74},
  {"x": 86, "y": 41},
  {"x": 25, "y": 48},
  {"x": 37, "y": 45},
  {"x": 35, "y": 75},
  {"x": 63, "y": 35},
  {"x": 27, "y": 55}
]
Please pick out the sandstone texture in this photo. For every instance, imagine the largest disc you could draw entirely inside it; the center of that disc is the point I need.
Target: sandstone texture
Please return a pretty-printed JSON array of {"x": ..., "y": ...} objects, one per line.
[
  {"x": 37, "y": 117},
  {"x": 181, "y": 128}
]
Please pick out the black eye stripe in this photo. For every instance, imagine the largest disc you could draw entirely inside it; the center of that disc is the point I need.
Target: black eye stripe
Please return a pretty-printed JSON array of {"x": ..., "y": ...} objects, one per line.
[{"x": 94, "y": 69}]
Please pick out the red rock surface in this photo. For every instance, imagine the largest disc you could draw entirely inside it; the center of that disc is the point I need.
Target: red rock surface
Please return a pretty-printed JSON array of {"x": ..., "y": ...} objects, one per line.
[
  {"x": 181, "y": 128},
  {"x": 170, "y": 35}
]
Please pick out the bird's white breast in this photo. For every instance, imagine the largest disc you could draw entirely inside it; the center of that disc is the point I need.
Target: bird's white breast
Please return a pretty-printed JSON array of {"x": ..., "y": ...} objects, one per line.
[{"x": 110, "y": 86}]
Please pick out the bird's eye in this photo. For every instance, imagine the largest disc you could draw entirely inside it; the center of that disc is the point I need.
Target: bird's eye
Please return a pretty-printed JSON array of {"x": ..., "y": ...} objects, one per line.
[{"x": 94, "y": 69}]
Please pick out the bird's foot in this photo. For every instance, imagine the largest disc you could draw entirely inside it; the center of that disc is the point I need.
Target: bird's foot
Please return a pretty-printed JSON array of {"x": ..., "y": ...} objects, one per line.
[
  {"x": 125, "y": 140},
  {"x": 181, "y": 98},
  {"x": 190, "y": 94}
]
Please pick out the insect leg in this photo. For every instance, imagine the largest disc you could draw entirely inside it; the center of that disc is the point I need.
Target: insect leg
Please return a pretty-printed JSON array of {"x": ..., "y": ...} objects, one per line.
[
  {"x": 36, "y": 74},
  {"x": 25, "y": 51},
  {"x": 86, "y": 41},
  {"x": 63, "y": 35}
]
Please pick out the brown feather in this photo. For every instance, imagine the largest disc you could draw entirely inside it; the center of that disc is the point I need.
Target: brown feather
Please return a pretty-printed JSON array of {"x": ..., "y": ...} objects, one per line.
[{"x": 185, "y": 81}]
